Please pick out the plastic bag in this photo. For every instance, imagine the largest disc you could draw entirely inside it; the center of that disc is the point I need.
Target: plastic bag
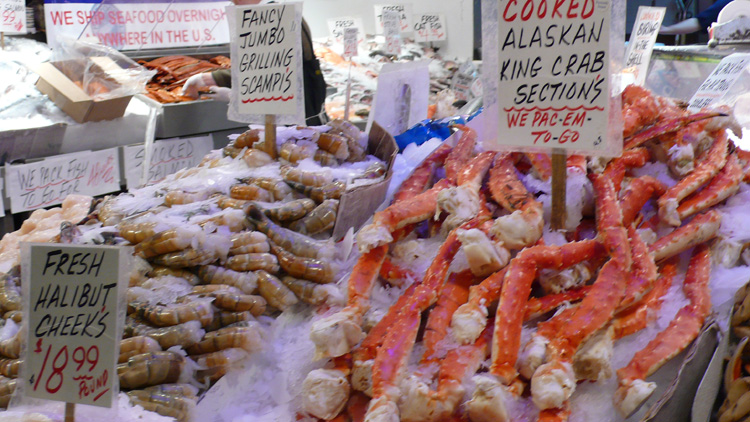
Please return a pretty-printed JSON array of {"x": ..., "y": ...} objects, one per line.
[{"x": 102, "y": 72}]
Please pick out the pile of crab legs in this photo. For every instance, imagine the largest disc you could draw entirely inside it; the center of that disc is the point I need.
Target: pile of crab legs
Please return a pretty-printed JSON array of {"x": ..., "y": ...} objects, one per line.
[{"x": 633, "y": 273}]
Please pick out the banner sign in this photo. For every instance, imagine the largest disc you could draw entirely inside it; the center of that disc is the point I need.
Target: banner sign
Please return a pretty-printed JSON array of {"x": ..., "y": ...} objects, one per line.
[
  {"x": 145, "y": 24},
  {"x": 72, "y": 311}
]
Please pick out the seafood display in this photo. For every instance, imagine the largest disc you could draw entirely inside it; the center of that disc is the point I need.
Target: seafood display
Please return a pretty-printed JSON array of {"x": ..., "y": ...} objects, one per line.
[
  {"x": 474, "y": 336},
  {"x": 172, "y": 72}
]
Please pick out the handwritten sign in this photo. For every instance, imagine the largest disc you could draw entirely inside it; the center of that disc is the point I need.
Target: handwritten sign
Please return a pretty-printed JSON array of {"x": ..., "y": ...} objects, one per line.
[
  {"x": 336, "y": 27},
  {"x": 135, "y": 25},
  {"x": 267, "y": 65},
  {"x": 719, "y": 82},
  {"x": 642, "y": 39},
  {"x": 72, "y": 312},
  {"x": 13, "y": 16},
  {"x": 392, "y": 32},
  {"x": 430, "y": 27},
  {"x": 401, "y": 97},
  {"x": 553, "y": 71},
  {"x": 463, "y": 81},
  {"x": 169, "y": 156},
  {"x": 404, "y": 14},
  {"x": 350, "y": 42},
  {"x": 48, "y": 182}
]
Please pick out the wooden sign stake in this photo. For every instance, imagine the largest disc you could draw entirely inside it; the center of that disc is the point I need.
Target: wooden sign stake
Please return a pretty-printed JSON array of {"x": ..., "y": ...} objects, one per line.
[
  {"x": 559, "y": 176},
  {"x": 270, "y": 138},
  {"x": 2, "y": 40},
  {"x": 70, "y": 412},
  {"x": 348, "y": 92}
]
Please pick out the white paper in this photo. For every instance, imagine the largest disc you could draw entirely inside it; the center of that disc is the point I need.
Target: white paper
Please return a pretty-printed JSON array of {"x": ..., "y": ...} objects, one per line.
[
  {"x": 553, "y": 75},
  {"x": 336, "y": 27},
  {"x": 392, "y": 32},
  {"x": 71, "y": 312},
  {"x": 266, "y": 63},
  {"x": 48, "y": 182},
  {"x": 720, "y": 81},
  {"x": 391, "y": 109},
  {"x": 430, "y": 27},
  {"x": 169, "y": 156},
  {"x": 13, "y": 16},
  {"x": 642, "y": 39},
  {"x": 136, "y": 25},
  {"x": 350, "y": 42},
  {"x": 405, "y": 16}
]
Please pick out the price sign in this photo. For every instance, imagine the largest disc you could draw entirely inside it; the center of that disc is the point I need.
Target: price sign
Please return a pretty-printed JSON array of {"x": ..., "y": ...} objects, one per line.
[
  {"x": 336, "y": 27},
  {"x": 48, "y": 182},
  {"x": 267, "y": 71},
  {"x": 168, "y": 157},
  {"x": 430, "y": 27},
  {"x": 719, "y": 82},
  {"x": 392, "y": 32},
  {"x": 13, "y": 16},
  {"x": 642, "y": 39},
  {"x": 553, "y": 75},
  {"x": 74, "y": 328},
  {"x": 350, "y": 42},
  {"x": 404, "y": 16}
]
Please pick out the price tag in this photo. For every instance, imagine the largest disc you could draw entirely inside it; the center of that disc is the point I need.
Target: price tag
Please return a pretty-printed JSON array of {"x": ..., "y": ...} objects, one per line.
[
  {"x": 48, "y": 182},
  {"x": 404, "y": 15},
  {"x": 718, "y": 84},
  {"x": 13, "y": 16},
  {"x": 553, "y": 75},
  {"x": 392, "y": 32},
  {"x": 463, "y": 81},
  {"x": 336, "y": 27},
  {"x": 350, "y": 42},
  {"x": 169, "y": 156},
  {"x": 73, "y": 295},
  {"x": 430, "y": 27},
  {"x": 642, "y": 39},
  {"x": 267, "y": 71}
]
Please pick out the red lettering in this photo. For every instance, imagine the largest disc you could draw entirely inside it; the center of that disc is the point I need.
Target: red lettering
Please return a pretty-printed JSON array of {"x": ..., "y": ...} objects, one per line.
[
  {"x": 556, "y": 9},
  {"x": 505, "y": 13},
  {"x": 585, "y": 14}
]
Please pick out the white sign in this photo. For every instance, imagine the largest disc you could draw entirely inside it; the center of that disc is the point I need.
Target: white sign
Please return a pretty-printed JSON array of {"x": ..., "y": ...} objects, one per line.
[
  {"x": 169, "y": 156},
  {"x": 718, "y": 83},
  {"x": 404, "y": 13},
  {"x": 553, "y": 73},
  {"x": 392, "y": 32},
  {"x": 401, "y": 97},
  {"x": 642, "y": 39},
  {"x": 266, "y": 64},
  {"x": 350, "y": 42},
  {"x": 137, "y": 25},
  {"x": 430, "y": 27},
  {"x": 336, "y": 27},
  {"x": 73, "y": 321},
  {"x": 13, "y": 16},
  {"x": 48, "y": 182}
]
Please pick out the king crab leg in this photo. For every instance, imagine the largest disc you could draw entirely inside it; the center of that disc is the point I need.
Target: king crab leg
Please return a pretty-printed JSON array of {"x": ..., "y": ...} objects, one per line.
[
  {"x": 700, "y": 229},
  {"x": 640, "y": 314},
  {"x": 721, "y": 187},
  {"x": 422, "y": 175},
  {"x": 615, "y": 170},
  {"x": 713, "y": 162},
  {"x": 669, "y": 126},
  {"x": 683, "y": 329},
  {"x": 461, "y": 154},
  {"x": 464, "y": 201},
  {"x": 635, "y": 196},
  {"x": 644, "y": 271}
]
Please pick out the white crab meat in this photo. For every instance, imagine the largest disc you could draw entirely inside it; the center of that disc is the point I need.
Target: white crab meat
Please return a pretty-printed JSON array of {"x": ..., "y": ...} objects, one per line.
[
  {"x": 489, "y": 401},
  {"x": 598, "y": 164},
  {"x": 382, "y": 409},
  {"x": 593, "y": 361},
  {"x": 552, "y": 384},
  {"x": 335, "y": 335},
  {"x": 559, "y": 281},
  {"x": 461, "y": 203},
  {"x": 419, "y": 404},
  {"x": 668, "y": 212},
  {"x": 518, "y": 229},
  {"x": 681, "y": 159},
  {"x": 373, "y": 235},
  {"x": 362, "y": 376},
  {"x": 648, "y": 236},
  {"x": 324, "y": 393},
  {"x": 532, "y": 355},
  {"x": 483, "y": 255},
  {"x": 629, "y": 397},
  {"x": 468, "y": 322},
  {"x": 726, "y": 252}
]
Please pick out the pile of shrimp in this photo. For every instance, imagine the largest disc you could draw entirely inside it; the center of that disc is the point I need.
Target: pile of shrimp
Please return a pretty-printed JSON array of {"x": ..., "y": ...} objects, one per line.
[
  {"x": 219, "y": 250},
  {"x": 508, "y": 317}
]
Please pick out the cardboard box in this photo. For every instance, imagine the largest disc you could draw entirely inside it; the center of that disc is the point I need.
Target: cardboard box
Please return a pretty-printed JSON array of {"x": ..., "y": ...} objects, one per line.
[
  {"x": 56, "y": 81},
  {"x": 357, "y": 206}
]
